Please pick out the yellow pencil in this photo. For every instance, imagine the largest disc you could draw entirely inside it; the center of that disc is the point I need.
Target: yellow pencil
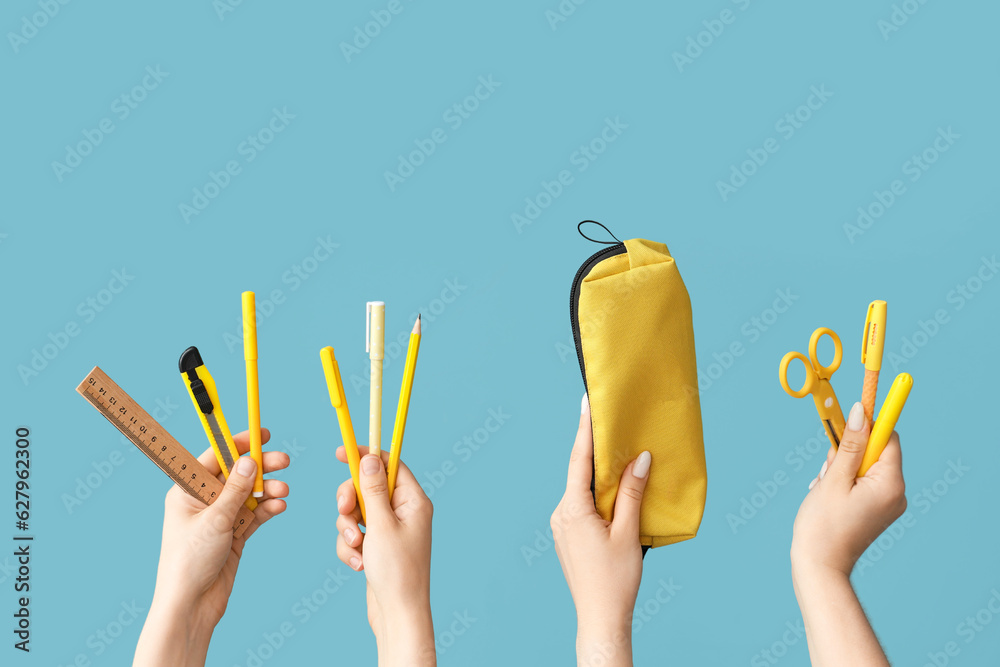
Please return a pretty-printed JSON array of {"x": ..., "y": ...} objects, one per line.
[
  {"x": 404, "y": 404},
  {"x": 375, "y": 347},
  {"x": 335, "y": 385},
  {"x": 253, "y": 389}
]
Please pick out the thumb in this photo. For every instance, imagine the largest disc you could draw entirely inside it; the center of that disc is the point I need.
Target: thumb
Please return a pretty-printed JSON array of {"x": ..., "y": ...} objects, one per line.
[
  {"x": 375, "y": 490},
  {"x": 851, "y": 450},
  {"x": 629, "y": 500},
  {"x": 234, "y": 494}
]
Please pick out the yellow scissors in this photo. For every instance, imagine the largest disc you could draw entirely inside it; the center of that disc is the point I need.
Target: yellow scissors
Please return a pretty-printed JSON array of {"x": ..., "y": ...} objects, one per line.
[{"x": 818, "y": 383}]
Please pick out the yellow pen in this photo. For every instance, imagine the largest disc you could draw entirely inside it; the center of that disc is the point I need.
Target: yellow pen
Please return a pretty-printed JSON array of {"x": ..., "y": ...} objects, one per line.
[
  {"x": 205, "y": 396},
  {"x": 871, "y": 355},
  {"x": 253, "y": 389},
  {"x": 892, "y": 406},
  {"x": 334, "y": 384},
  {"x": 404, "y": 404}
]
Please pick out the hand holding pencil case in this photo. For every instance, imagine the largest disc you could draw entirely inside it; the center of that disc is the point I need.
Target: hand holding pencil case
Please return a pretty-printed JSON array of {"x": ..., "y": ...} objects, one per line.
[{"x": 631, "y": 318}]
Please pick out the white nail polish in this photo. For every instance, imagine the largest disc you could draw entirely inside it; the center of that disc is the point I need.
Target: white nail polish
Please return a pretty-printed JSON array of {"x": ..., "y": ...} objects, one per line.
[
  {"x": 813, "y": 483},
  {"x": 584, "y": 404},
  {"x": 822, "y": 471},
  {"x": 857, "y": 417}
]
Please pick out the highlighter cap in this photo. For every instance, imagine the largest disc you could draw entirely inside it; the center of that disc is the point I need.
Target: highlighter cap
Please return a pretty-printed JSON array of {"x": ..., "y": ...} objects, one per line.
[
  {"x": 332, "y": 373},
  {"x": 249, "y": 326},
  {"x": 874, "y": 342},
  {"x": 894, "y": 401}
]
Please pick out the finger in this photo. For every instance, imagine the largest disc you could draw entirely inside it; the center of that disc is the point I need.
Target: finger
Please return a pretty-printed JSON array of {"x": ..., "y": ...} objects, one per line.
[
  {"x": 891, "y": 458},
  {"x": 629, "y": 500},
  {"x": 275, "y": 488},
  {"x": 269, "y": 508},
  {"x": 847, "y": 462},
  {"x": 348, "y": 528},
  {"x": 222, "y": 513},
  {"x": 275, "y": 461},
  {"x": 581, "y": 459},
  {"x": 349, "y": 556},
  {"x": 347, "y": 501},
  {"x": 375, "y": 491},
  {"x": 242, "y": 440},
  {"x": 362, "y": 452}
]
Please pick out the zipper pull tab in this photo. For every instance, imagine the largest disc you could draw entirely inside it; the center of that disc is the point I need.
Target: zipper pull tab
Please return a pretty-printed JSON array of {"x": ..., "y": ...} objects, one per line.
[{"x": 594, "y": 222}]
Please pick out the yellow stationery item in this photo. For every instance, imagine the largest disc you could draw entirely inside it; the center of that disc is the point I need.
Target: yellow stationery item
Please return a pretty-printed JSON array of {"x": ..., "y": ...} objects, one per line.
[
  {"x": 818, "y": 383},
  {"x": 404, "y": 404},
  {"x": 892, "y": 406},
  {"x": 631, "y": 321},
  {"x": 253, "y": 390},
  {"x": 335, "y": 386},
  {"x": 205, "y": 396},
  {"x": 871, "y": 354},
  {"x": 375, "y": 347}
]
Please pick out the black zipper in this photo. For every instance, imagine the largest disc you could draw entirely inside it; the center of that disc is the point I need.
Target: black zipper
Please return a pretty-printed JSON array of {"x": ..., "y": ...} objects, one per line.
[{"x": 574, "y": 297}]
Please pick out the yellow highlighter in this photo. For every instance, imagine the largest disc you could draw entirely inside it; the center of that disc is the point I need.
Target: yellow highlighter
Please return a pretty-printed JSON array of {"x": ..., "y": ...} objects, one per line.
[
  {"x": 253, "y": 389},
  {"x": 886, "y": 422},
  {"x": 871, "y": 355},
  {"x": 205, "y": 396},
  {"x": 334, "y": 384}
]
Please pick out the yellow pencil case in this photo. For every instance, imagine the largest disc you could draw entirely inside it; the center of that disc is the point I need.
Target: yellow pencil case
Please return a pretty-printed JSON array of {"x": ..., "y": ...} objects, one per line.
[{"x": 631, "y": 318}]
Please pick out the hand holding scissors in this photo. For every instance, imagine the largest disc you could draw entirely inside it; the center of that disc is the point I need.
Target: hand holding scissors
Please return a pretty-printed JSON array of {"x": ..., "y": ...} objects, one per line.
[{"x": 818, "y": 383}]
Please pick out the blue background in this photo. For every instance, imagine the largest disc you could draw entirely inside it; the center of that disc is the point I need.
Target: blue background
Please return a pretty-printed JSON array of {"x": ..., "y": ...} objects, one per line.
[{"x": 503, "y": 341}]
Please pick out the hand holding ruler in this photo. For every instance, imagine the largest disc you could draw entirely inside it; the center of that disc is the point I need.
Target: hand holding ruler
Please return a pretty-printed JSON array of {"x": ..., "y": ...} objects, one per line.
[{"x": 153, "y": 440}]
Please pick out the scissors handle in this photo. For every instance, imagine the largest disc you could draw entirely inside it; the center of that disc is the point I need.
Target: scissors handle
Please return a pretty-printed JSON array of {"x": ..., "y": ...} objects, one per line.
[
  {"x": 824, "y": 372},
  {"x": 811, "y": 382}
]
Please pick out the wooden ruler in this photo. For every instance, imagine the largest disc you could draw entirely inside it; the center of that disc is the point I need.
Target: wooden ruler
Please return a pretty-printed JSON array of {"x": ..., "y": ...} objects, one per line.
[{"x": 154, "y": 441}]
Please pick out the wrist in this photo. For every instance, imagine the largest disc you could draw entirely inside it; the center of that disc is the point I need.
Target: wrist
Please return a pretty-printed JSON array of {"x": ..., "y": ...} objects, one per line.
[
  {"x": 174, "y": 634},
  {"x": 404, "y": 634},
  {"x": 604, "y": 643}
]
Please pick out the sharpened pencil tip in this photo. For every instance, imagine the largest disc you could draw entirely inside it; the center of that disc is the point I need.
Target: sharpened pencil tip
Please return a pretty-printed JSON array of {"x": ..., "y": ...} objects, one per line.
[{"x": 416, "y": 325}]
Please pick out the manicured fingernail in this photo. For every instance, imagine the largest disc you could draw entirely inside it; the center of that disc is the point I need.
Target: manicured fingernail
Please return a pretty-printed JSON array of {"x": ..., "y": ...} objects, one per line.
[
  {"x": 370, "y": 464},
  {"x": 822, "y": 471},
  {"x": 813, "y": 483},
  {"x": 857, "y": 417},
  {"x": 246, "y": 466},
  {"x": 340, "y": 502},
  {"x": 584, "y": 403},
  {"x": 355, "y": 562},
  {"x": 349, "y": 535},
  {"x": 641, "y": 467}
]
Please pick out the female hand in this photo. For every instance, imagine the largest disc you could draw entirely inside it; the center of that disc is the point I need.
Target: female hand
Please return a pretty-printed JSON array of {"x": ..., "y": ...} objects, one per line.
[
  {"x": 395, "y": 554},
  {"x": 199, "y": 557},
  {"x": 601, "y": 560}
]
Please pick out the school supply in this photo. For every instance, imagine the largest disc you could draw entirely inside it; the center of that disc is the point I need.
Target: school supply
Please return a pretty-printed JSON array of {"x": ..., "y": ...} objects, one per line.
[
  {"x": 818, "y": 384},
  {"x": 205, "y": 396},
  {"x": 631, "y": 319},
  {"x": 253, "y": 389},
  {"x": 892, "y": 406},
  {"x": 404, "y": 404},
  {"x": 375, "y": 347},
  {"x": 871, "y": 355},
  {"x": 335, "y": 387},
  {"x": 153, "y": 440}
]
